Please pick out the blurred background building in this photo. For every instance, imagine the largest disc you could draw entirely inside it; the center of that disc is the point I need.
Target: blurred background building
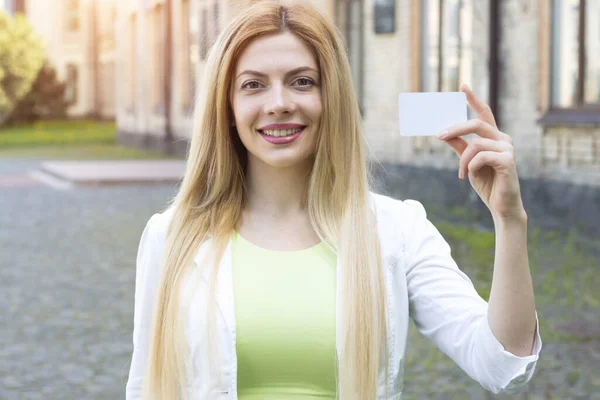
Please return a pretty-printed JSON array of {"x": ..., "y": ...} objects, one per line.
[
  {"x": 12, "y": 6},
  {"x": 536, "y": 62},
  {"x": 80, "y": 37}
]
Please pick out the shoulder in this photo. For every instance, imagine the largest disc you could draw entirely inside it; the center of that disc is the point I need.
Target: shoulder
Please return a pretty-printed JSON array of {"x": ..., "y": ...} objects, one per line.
[
  {"x": 152, "y": 242},
  {"x": 391, "y": 209},
  {"x": 158, "y": 224},
  {"x": 399, "y": 221}
]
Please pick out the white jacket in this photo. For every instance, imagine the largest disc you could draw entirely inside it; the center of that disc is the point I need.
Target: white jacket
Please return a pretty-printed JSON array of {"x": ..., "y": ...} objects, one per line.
[{"x": 421, "y": 278}]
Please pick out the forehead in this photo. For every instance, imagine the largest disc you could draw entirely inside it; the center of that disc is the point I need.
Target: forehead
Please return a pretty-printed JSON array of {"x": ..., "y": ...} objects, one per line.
[{"x": 283, "y": 51}]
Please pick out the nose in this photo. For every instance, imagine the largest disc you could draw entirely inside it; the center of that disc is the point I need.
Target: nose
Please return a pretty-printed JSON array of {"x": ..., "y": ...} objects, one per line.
[{"x": 279, "y": 101}]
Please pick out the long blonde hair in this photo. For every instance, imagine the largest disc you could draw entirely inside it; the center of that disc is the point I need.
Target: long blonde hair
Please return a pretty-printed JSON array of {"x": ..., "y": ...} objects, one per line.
[{"x": 211, "y": 198}]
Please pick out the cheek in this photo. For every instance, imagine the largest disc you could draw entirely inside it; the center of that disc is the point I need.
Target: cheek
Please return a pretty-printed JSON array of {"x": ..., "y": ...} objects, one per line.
[
  {"x": 245, "y": 112},
  {"x": 315, "y": 108}
]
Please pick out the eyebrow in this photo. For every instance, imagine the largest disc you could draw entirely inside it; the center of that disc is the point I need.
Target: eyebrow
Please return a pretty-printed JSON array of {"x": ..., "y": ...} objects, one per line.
[{"x": 292, "y": 72}]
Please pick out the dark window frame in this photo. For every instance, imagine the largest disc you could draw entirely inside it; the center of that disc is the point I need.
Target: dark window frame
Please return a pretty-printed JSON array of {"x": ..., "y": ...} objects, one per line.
[
  {"x": 581, "y": 113},
  {"x": 440, "y": 44}
]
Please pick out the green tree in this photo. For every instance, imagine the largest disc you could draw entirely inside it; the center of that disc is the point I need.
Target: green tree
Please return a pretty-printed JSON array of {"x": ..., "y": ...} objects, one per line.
[
  {"x": 45, "y": 100},
  {"x": 21, "y": 57}
]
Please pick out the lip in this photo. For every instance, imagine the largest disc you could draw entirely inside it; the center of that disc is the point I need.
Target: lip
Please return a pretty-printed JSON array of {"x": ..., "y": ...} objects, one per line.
[
  {"x": 281, "y": 126},
  {"x": 282, "y": 140}
]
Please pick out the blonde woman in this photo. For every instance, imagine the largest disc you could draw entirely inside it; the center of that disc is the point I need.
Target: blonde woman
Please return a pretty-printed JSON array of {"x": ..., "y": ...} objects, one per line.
[{"x": 277, "y": 274}]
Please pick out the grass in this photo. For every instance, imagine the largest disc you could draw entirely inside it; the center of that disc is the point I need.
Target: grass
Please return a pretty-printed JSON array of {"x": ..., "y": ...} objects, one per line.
[
  {"x": 70, "y": 140},
  {"x": 474, "y": 251},
  {"x": 562, "y": 268},
  {"x": 44, "y": 133},
  {"x": 564, "y": 271}
]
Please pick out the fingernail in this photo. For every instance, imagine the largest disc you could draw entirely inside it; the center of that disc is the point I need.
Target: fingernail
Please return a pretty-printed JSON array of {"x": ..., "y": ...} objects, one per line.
[
  {"x": 460, "y": 174},
  {"x": 443, "y": 135}
]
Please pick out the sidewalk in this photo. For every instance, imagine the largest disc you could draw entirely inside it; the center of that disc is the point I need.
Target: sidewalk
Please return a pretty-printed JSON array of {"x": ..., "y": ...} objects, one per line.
[{"x": 76, "y": 173}]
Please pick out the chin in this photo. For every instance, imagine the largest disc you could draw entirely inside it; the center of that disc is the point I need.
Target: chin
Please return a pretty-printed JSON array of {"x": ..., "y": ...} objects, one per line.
[
  {"x": 287, "y": 162},
  {"x": 283, "y": 163}
]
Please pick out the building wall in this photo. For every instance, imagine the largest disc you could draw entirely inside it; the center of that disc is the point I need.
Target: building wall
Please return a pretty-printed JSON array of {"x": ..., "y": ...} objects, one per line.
[
  {"x": 383, "y": 66},
  {"x": 520, "y": 80},
  {"x": 6, "y": 6},
  {"x": 566, "y": 152},
  {"x": 81, "y": 38}
]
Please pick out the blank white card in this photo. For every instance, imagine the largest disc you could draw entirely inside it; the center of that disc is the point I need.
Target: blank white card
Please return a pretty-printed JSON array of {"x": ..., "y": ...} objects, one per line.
[{"x": 428, "y": 114}]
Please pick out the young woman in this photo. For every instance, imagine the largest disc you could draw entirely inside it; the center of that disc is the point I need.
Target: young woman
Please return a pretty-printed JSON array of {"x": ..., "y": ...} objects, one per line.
[{"x": 275, "y": 273}]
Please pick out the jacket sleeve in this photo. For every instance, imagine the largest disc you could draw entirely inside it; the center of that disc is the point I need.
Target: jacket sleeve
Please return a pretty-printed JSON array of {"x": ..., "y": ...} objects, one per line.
[
  {"x": 447, "y": 310},
  {"x": 149, "y": 256}
]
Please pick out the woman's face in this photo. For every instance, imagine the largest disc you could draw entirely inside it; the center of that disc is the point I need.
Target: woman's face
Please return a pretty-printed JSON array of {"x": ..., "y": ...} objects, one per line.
[{"x": 276, "y": 92}]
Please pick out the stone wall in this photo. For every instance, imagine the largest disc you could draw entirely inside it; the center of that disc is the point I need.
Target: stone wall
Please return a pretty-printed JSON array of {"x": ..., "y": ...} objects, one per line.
[{"x": 549, "y": 204}]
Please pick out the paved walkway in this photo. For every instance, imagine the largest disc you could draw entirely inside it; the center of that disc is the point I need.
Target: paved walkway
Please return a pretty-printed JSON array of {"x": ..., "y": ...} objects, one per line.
[
  {"x": 67, "y": 273},
  {"x": 67, "y": 174},
  {"x": 114, "y": 172}
]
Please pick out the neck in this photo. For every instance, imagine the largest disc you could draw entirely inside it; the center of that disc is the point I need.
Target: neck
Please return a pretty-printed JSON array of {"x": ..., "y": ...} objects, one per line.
[{"x": 276, "y": 192}]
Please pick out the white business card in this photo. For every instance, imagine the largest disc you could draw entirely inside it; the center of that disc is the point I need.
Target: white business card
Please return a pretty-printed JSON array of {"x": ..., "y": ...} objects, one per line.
[{"x": 428, "y": 114}]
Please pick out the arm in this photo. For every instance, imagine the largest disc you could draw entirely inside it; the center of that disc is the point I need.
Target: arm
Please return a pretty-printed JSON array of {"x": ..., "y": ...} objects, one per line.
[
  {"x": 447, "y": 309},
  {"x": 511, "y": 310}
]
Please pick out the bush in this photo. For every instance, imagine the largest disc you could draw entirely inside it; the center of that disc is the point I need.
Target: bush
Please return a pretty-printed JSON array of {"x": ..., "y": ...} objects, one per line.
[
  {"x": 45, "y": 100},
  {"x": 21, "y": 57}
]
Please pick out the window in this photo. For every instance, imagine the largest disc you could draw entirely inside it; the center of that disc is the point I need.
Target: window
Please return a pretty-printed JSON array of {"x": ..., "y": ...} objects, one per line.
[
  {"x": 71, "y": 84},
  {"x": 575, "y": 53},
  {"x": 445, "y": 35},
  {"x": 385, "y": 16},
  {"x": 349, "y": 18},
  {"x": 72, "y": 22},
  {"x": 208, "y": 29}
]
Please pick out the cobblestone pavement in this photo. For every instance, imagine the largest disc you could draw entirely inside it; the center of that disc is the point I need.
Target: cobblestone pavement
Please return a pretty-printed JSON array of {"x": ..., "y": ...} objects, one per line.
[{"x": 67, "y": 270}]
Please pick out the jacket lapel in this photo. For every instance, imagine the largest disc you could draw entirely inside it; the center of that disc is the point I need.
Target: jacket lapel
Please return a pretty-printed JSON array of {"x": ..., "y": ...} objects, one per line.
[{"x": 224, "y": 284}]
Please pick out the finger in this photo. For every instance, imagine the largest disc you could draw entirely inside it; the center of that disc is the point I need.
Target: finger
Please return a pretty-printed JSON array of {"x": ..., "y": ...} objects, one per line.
[
  {"x": 482, "y": 109},
  {"x": 476, "y": 146},
  {"x": 500, "y": 161},
  {"x": 458, "y": 145},
  {"x": 477, "y": 126}
]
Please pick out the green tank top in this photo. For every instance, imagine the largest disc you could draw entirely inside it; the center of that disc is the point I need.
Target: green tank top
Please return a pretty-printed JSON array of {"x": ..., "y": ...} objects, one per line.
[{"x": 285, "y": 321}]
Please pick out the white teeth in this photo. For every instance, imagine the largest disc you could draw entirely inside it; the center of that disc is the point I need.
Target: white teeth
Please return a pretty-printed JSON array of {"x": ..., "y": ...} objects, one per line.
[{"x": 285, "y": 132}]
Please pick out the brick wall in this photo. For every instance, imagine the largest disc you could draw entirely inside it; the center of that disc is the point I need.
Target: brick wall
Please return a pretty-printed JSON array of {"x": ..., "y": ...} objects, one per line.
[
  {"x": 392, "y": 65},
  {"x": 519, "y": 80},
  {"x": 387, "y": 64}
]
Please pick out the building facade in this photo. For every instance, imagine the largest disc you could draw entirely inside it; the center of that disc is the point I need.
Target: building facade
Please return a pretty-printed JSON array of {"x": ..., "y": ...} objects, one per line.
[
  {"x": 537, "y": 63},
  {"x": 12, "y": 6},
  {"x": 79, "y": 37}
]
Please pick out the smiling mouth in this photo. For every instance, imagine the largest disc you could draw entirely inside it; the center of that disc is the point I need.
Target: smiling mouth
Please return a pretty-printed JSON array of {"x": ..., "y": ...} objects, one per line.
[{"x": 281, "y": 132}]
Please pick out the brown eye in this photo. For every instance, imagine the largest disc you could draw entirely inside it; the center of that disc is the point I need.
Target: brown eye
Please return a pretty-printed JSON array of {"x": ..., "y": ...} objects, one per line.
[
  {"x": 245, "y": 85},
  {"x": 305, "y": 82}
]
